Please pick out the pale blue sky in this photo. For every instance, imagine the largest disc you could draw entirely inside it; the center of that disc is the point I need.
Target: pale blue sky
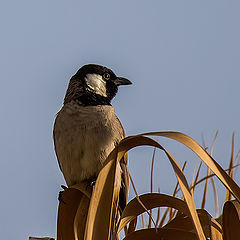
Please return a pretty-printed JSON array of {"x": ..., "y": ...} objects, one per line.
[{"x": 183, "y": 58}]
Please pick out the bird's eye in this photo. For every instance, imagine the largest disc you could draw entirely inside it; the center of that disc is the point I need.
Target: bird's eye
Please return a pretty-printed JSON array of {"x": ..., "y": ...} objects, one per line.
[{"x": 106, "y": 76}]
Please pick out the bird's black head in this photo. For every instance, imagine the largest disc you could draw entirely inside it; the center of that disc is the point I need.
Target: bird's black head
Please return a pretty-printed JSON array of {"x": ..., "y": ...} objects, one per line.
[{"x": 94, "y": 85}]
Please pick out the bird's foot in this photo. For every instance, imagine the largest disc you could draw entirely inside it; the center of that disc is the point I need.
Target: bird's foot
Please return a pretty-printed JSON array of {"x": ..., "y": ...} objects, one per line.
[
  {"x": 60, "y": 194},
  {"x": 92, "y": 184},
  {"x": 63, "y": 187},
  {"x": 91, "y": 181}
]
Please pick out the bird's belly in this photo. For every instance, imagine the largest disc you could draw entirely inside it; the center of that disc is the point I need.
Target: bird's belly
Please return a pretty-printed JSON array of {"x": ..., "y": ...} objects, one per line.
[
  {"x": 83, "y": 151},
  {"x": 84, "y": 137}
]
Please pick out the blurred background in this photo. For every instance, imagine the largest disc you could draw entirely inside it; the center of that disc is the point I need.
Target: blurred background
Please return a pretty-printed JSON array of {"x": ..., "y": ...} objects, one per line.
[{"x": 183, "y": 59}]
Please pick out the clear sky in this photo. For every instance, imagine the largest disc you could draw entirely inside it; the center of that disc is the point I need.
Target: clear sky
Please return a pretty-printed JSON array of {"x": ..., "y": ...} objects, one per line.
[{"x": 183, "y": 58}]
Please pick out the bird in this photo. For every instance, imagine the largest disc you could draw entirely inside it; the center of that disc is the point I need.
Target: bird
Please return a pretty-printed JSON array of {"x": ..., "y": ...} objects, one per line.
[{"x": 86, "y": 128}]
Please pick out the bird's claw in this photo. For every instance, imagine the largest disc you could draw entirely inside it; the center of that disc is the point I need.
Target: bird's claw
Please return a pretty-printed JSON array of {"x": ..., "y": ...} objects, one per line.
[
  {"x": 92, "y": 184},
  {"x": 60, "y": 194},
  {"x": 63, "y": 187}
]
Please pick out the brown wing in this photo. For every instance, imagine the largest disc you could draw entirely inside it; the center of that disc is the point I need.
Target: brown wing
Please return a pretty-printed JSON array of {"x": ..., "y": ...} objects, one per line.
[
  {"x": 54, "y": 140},
  {"x": 123, "y": 195}
]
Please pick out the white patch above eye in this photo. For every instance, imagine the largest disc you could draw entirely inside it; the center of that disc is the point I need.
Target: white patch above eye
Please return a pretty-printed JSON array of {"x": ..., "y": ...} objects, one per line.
[{"x": 96, "y": 84}]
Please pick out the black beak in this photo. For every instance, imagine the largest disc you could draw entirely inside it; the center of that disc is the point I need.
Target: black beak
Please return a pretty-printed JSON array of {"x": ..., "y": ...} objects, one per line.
[{"x": 121, "y": 81}]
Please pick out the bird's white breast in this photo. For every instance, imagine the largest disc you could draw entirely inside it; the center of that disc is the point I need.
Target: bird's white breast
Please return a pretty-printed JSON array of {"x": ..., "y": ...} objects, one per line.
[{"x": 84, "y": 137}]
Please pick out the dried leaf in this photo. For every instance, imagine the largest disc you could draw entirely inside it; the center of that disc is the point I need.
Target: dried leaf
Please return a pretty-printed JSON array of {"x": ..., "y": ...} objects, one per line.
[
  {"x": 152, "y": 234},
  {"x": 212, "y": 229},
  {"x": 150, "y": 201},
  {"x": 210, "y": 162},
  {"x": 196, "y": 177},
  {"x": 230, "y": 171},
  {"x": 151, "y": 186},
  {"x": 72, "y": 212},
  {"x": 231, "y": 220},
  {"x": 208, "y": 173}
]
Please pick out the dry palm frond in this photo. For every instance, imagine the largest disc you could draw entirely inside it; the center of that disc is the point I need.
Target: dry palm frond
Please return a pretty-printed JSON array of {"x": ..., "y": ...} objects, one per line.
[
  {"x": 208, "y": 173},
  {"x": 231, "y": 220},
  {"x": 199, "y": 224},
  {"x": 196, "y": 178},
  {"x": 151, "y": 186},
  {"x": 230, "y": 171},
  {"x": 171, "y": 212}
]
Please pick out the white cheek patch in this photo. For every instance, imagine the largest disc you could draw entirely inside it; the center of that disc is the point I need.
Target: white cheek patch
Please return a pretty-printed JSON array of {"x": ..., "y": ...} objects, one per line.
[{"x": 96, "y": 84}]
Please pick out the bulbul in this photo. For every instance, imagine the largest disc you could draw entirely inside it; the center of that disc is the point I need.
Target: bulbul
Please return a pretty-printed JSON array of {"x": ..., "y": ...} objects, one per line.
[{"x": 86, "y": 128}]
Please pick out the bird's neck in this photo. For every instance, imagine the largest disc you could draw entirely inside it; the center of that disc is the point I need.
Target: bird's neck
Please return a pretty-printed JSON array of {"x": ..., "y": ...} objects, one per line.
[{"x": 92, "y": 100}]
